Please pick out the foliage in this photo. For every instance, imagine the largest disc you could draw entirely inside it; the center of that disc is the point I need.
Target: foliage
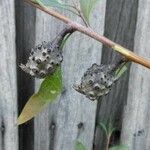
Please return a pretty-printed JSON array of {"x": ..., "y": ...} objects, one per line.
[
  {"x": 52, "y": 84},
  {"x": 49, "y": 90},
  {"x": 119, "y": 147},
  {"x": 52, "y": 3},
  {"x": 79, "y": 146},
  {"x": 87, "y": 7},
  {"x": 107, "y": 128},
  {"x": 121, "y": 70}
]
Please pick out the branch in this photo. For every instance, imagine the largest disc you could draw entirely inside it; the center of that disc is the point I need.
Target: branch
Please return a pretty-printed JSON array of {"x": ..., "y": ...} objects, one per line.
[{"x": 129, "y": 55}]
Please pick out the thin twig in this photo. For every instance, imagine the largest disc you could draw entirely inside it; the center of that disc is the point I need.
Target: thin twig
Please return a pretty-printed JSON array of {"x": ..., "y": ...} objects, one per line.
[
  {"x": 77, "y": 12},
  {"x": 81, "y": 16},
  {"x": 129, "y": 55}
]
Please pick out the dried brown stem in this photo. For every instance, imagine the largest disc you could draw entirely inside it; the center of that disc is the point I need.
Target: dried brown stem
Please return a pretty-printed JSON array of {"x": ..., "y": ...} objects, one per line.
[{"x": 129, "y": 55}]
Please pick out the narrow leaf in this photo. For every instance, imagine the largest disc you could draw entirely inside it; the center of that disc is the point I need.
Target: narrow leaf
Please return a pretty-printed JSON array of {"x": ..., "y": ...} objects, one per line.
[
  {"x": 104, "y": 128},
  {"x": 119, "y": 147},
  {"x": 87, "y": 7},
  {"x": 121, "y": 70},
  {"x": 79, "y": 146},
  {"x": 49, "y": 90},
  {"x": 110, "y": 129}
]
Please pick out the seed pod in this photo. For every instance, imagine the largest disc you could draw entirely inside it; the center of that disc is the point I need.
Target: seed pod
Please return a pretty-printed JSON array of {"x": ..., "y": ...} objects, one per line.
[
  {"x": 43, "y": 60},
  {"x": 46, "y": 57},
  {"x": 97, "y": 81}
]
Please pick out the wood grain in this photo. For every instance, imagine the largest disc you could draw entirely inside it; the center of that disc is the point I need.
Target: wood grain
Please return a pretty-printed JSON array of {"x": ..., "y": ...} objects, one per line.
[
  {"x": 72, "y": 116},
  {"x": 8, "y": 87},
  {"x": 46, "y": 29},
  {"x": 25, "y": 38},
  {"x": 136, "y": 133},
  {"x": 120, "y": 27}
]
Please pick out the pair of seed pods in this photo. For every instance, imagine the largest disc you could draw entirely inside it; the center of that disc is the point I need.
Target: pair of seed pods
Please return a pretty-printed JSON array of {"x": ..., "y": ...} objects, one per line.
[{"x": 45, "y": 58}]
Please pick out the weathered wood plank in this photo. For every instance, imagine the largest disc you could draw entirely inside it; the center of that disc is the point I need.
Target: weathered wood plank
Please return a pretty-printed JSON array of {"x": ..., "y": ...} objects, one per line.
[
  {"x": 46, "y": 29},
  {"x": 25, "y": 37},
  {"x": 8, "y": 88},
  {"x": 120, "y": 27},
  {"x": 58, "y": 126},
  {"x": 136, "y": 133}
]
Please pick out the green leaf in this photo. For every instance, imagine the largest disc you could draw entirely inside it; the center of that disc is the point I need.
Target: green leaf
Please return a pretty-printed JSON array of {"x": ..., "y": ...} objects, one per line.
[
  {"x": 87, "y": 7},
  {"x": 79, "y": 146},
  {"x": 57, "y": 4},
  {"x": 108, "y": 129},
  {"x": 119, "y": 147},
  {"x": 111, "y": 129},
  {"x": 49, "y": 90},
  {"x": 52, "y": 3},
  {"x": 121, "y": 70},
  {"x": 103, "y": 126}
]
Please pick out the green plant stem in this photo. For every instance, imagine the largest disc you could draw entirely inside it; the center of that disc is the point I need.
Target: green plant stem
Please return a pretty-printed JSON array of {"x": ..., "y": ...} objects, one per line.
[{"x": 129, "y": 55}]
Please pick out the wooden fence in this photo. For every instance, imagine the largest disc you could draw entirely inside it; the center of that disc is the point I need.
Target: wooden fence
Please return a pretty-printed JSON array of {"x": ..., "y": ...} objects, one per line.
[{"x": 58, "y": 127}]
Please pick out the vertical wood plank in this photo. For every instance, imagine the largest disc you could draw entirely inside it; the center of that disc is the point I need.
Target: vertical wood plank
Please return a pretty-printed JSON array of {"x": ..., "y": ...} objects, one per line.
[
  {"x": 120, "y": 27},
  {"x": 136, "y": 133},
  {"x": 71, "y": 117},
  {"x": 46, "y": 29},
  {"x": 25, "y": 37},
  {"x": 8, "y": 88}
]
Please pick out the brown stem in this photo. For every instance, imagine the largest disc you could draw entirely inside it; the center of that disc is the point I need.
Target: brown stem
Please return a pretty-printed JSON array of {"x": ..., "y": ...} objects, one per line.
[
  {"x": 108, "y": 142},
  {"x": 89, "y": 32}
]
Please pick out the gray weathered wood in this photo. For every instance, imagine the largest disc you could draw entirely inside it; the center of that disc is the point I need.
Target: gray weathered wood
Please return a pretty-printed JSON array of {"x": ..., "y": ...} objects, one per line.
[
  {"x": 73, "y": 117},
  {"x": 136, "y": 123},
  {"x": 8, "y": 88},
  {"x": 57, "y": 127},
  {"x": 46, "y": 29},
  {"x": 25, "y": 37},
  {"x": 120, "y": 27}
]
